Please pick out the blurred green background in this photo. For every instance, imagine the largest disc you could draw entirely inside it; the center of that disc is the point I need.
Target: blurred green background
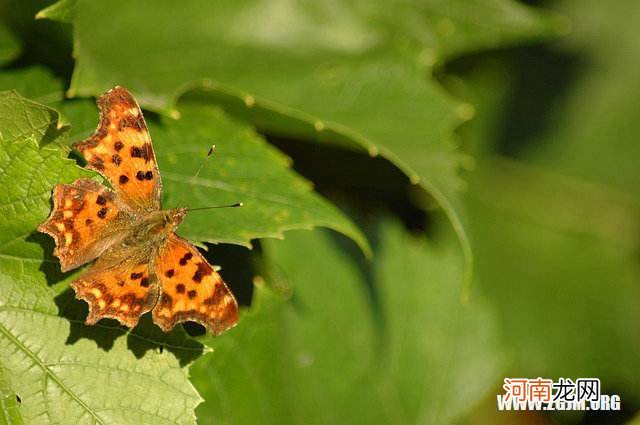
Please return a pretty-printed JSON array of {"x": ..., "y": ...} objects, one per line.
[{"x": 486, "y": 150}]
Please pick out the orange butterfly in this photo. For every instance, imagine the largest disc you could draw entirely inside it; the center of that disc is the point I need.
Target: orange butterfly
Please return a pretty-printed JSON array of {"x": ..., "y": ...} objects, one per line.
[{"x": 143, "y": 265}]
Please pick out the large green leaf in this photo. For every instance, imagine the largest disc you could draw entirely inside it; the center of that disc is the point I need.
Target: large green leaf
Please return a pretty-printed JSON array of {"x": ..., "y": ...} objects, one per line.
[
  {"x": 62, "y": 371},
  {"x": 261, "y": 48},
  {"x": 387, "y": 342},
  {"x": 353, "y": 73}
]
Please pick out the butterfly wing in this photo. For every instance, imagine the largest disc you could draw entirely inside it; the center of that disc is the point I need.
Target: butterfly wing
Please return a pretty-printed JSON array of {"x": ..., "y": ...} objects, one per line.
[
  {"x": 87, "y": 218},
  {"x": 191, "y": 289},
  {"x": 118, "y": 286},
  {"x": 121, "y": 150}
]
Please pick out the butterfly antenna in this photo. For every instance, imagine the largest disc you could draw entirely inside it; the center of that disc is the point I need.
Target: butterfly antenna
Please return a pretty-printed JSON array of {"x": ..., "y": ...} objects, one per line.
[
  {"x": 236, "y": 205},
  {"x": 211, "y": 149}
]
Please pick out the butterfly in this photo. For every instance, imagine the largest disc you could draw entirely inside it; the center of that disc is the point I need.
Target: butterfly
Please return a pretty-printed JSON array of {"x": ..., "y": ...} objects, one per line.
[{"x": 141, "y": 263}]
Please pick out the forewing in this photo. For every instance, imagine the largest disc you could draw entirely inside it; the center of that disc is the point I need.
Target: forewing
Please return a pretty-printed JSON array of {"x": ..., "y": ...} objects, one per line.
[
  {"x": 121, "y": 150},
  {"x": 191, "y": 289},
  {"x": 118, "y": 286},
  {"x": 87, "y": 218}
]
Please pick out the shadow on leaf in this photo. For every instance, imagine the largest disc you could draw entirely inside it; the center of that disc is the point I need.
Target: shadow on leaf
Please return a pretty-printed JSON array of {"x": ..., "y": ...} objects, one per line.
[
  {"x": 365, "y": 185},
  {"x": 50, "y": 265},
  {"x": 103, "y": 334},
  {"x": 144, "y": 337}
]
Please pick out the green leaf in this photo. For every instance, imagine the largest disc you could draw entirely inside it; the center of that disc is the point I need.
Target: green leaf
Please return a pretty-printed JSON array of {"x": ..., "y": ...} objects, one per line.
[
  {"x": 62, "y": 11},
  {"x": 342, "y": 73},
  {"x": 63, "y": 371},
  {"x": 356, "y": 342}
]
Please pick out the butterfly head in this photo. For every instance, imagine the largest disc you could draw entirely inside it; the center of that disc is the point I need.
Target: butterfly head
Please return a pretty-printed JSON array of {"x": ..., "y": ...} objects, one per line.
[
  {"x": 161, "y": 223},
  {"x": 174, "y": 217}
]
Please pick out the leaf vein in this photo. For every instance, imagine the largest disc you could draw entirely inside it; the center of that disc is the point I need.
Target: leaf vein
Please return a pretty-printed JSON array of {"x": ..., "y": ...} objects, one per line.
[{"x": 48, "y": 373}]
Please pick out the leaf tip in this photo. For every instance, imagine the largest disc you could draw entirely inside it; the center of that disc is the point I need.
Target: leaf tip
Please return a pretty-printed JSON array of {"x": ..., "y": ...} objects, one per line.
[
  {"x": 466, "y": 111},
  {"x": 428, "y": 57},
  {"x": 249, "y": 101},
  {"x": 258, "y": 281},
  {"x": 207, "y": 83}
]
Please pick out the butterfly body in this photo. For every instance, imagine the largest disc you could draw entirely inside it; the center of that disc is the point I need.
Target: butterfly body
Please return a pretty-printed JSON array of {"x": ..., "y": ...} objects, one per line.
[
  {"x": 140, "y": 263},
  {"x": 154, "y": 228}
]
